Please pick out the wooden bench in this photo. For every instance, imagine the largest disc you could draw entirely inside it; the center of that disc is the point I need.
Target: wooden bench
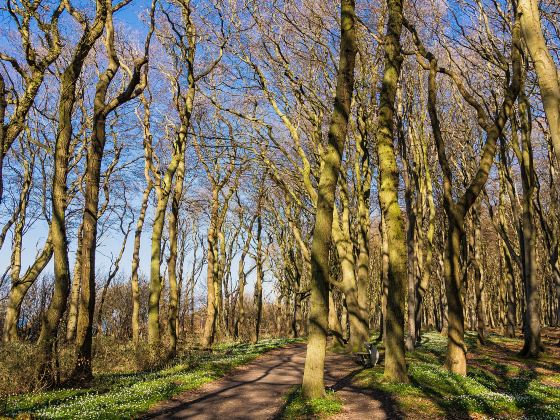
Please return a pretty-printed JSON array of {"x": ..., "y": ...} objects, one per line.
[{"x": 370, "y": 357}]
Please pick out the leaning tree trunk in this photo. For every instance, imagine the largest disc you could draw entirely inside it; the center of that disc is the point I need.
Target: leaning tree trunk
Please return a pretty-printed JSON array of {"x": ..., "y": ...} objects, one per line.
[
  {"x": 313, "y": 382},
  {"x": 545, "y": 67},
  {"x": 20, "y": 285},
  {"x": 19, "y": 290}
]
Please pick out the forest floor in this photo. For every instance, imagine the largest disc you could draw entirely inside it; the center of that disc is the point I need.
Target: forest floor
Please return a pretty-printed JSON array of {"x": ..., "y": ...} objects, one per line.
[
  {"x": 122, "y": 390},
  {"x": 239, "y": 381},
  {"x": 267, "y": 388},
  {"x": 499, "y": 384}
]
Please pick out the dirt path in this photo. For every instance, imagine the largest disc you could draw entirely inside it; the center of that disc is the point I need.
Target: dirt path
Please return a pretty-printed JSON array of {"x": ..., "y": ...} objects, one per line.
[{"x": 257, "y": 391}]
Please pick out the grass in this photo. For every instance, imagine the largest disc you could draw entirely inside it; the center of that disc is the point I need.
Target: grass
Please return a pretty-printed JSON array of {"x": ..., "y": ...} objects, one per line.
[
  {"x": 499, "y": 384},
  {"x": 297, "y": 408},
  {"x": 123, "y": 395}
]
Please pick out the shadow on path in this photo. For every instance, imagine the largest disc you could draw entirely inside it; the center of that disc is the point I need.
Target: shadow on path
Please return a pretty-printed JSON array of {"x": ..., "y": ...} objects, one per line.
[{"x": 258, "y": 391}]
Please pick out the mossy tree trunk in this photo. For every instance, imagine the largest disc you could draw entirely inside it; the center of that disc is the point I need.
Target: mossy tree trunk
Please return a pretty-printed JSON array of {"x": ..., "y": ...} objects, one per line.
[
  {"x": 395, "y": 366},
  {"x": 172, "y": 266},
  {"x": 103, "y": 106},
  {"x": 69, "y": 81},
  {"x": 313, "y": 382}
]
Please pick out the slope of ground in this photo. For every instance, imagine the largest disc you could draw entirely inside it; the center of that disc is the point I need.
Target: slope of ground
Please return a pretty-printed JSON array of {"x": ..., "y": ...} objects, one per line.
[{"x": 499, "y": 383}]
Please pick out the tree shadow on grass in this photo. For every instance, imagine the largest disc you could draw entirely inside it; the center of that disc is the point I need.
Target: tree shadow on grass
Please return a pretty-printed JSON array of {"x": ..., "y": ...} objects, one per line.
[{"x": 359, "y": 398}]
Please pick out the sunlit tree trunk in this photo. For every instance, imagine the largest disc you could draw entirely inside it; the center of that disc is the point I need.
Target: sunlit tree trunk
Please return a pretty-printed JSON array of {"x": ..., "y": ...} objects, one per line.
[
  {"x": 532, "y": 320},
  {"x": 313, "y": 382},
  {"x": 68, "y": 85},
  {"x": 545, "y": 67},
  {"x": 172, "y": 261},
  {"x": 425, "y": 272},
  {"x": 395, "y": 366},
  {"x": 135, "y": 319},
  {"x": 456, "y": 210},
  {"x": 72, "y": 321},
  {"x": 21, "y": 284},
  {"x": 259, "y": 281},
  {"x": 211, "y": 303},
  {"x": 103, "y": 106}
]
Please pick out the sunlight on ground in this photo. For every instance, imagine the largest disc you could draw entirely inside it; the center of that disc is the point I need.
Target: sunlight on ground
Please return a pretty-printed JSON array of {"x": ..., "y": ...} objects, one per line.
[
  {"x": 123, "y": 395},
  {"x": 498, "y": 384}
]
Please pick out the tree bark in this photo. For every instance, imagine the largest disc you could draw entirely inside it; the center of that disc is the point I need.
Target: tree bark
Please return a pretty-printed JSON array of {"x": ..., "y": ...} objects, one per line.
[
  {"x": 546, "y": 70},
  {"x": 211, "y": 303},
  {"x": 395, "y": 366},
  {"x": 173, "y": 309},
  {"x": 135, "y": 319},
  {"x": 259, "y": 281},
  {"x": 313, "y": 382},
  {"x": 53, "y": 315},
  {"x": 75, "y": 293}
]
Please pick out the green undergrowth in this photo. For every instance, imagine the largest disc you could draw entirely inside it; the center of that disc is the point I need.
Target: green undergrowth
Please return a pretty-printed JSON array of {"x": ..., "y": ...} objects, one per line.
[
  {"x": 297, "y": 408},
  {"x": 499, "y": 384},
  {"x": 123, "y": 395}
]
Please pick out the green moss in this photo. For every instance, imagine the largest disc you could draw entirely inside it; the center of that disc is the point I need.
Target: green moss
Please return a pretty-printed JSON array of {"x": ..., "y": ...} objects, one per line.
[
  {"x": 297, "y": 408},
  {"x": 121, "y": 396}
]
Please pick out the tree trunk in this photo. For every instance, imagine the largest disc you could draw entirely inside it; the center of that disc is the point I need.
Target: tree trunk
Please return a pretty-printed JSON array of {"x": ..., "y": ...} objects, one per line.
[
  {"x": 411, "y": 241},
  {"x": 211, "y": 304},
  {"x": 155, "y": 274},
  {"x": 19, "y": 290},
  {"x": 76, "y": 287},
  {"x": 172, "y": 261},
  {"x": 84, "y": 333},
  {"x": 532, "y": 325},
  {"x": 478, "y": 278},
  {"x": 53, "y": 315},
  {"x": 363, "y": 171},
  {"x": 545, "y": 67},
  {"x": 259, "y": 281},
  {"x": 313, "y": 382},
  {"x": 335, "y": 327},
  {"x": 456, "y": 358},
  {"x": 135, "y": 319},
  {"x": 20, "y": 285},
  {"x": 395, "y": 366},
  {"x": 427, "y": 263}
]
